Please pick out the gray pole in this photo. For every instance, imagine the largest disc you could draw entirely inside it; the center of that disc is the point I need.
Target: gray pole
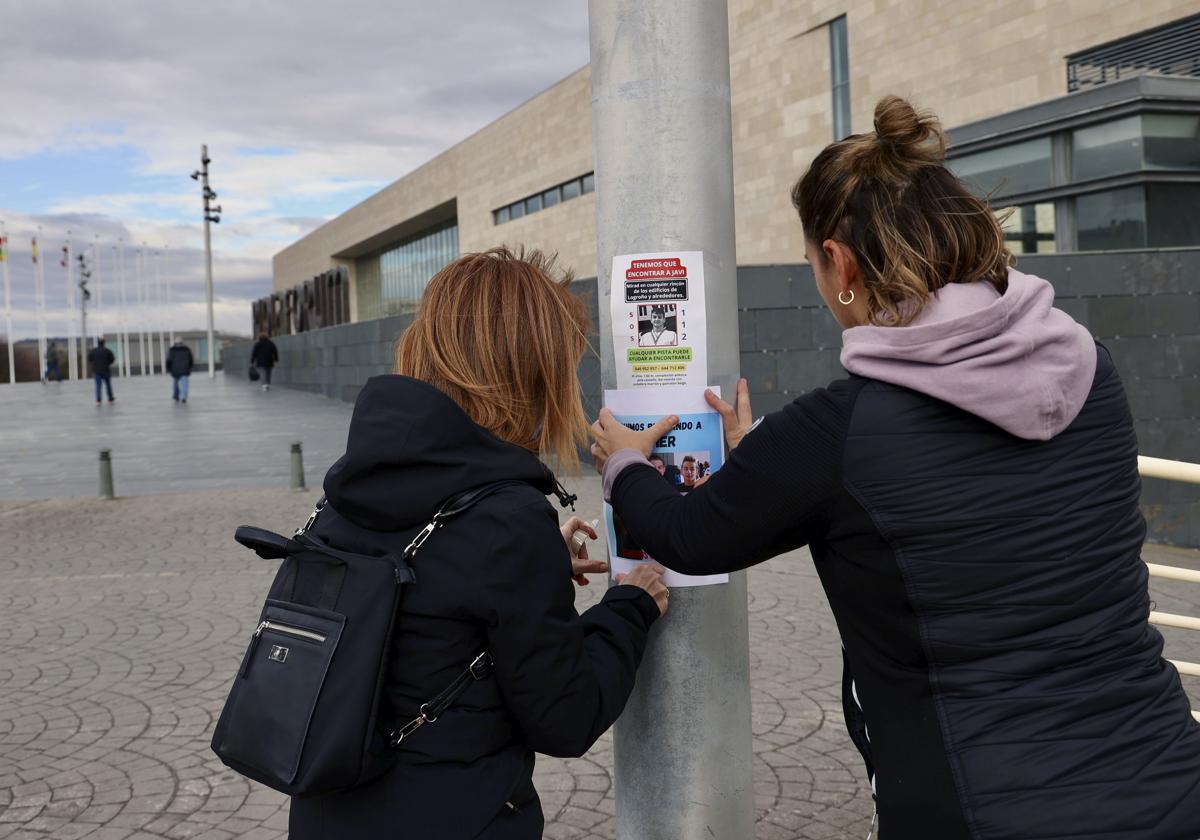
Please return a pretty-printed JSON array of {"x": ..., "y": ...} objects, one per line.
[
  {"x": 664, "y": 182},
  {"x": 106, "y": 478},
  {"x": 297, "y": 467}
]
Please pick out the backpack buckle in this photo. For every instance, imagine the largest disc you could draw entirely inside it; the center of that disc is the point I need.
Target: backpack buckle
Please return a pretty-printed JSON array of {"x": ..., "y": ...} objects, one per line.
[{"x": 484, "y": 663}]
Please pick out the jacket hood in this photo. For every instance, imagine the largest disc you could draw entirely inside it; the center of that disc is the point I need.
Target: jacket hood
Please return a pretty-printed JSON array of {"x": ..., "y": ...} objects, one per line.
[
  {"x": 410, "y": 448},
  {"x": 1012, "y": 359}
]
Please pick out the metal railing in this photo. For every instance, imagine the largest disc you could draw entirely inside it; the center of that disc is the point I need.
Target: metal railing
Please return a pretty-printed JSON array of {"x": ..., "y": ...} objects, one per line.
[{"x": 1190, "y": 473}]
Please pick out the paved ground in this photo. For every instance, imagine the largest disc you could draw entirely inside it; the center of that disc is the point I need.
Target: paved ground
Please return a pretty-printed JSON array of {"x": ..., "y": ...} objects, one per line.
[
  {"x": 123, "y": 622},
  {"x": 229, "y": 435},
  {"x": 121, "y": 625}
]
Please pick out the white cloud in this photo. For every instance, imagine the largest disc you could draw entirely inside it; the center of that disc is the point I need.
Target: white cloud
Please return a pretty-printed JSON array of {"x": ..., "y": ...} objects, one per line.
[{"x": 305, "y": 107}]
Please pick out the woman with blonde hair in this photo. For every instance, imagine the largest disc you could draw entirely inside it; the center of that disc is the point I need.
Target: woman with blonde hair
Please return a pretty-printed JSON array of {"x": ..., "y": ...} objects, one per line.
[
  {"x": 970, "y": 498},
  {"x": 485, "y": 382}
]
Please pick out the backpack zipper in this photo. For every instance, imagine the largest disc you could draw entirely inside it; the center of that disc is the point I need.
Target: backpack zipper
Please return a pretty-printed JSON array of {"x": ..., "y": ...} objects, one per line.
[{"x": 299, "y": 632}]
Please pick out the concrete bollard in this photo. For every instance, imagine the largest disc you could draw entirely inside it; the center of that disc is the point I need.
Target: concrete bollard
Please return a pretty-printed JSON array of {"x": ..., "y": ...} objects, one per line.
[
  {"x": 106, "y": 482},
  {"x": 297, "y": 467}
]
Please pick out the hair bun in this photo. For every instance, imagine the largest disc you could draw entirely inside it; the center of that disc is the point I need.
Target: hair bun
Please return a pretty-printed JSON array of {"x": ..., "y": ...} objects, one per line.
[{"x": 915, "y": 135}]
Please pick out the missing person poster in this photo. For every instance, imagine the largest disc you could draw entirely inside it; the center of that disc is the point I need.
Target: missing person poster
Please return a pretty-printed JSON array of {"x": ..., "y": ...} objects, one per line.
[
  {"x": 658, "y": 319},
  {"x": 694, "y": 449}
]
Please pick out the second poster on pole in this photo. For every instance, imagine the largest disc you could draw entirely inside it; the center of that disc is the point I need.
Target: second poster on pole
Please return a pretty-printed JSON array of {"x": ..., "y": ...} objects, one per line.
[{"x": 658, "y": 319}]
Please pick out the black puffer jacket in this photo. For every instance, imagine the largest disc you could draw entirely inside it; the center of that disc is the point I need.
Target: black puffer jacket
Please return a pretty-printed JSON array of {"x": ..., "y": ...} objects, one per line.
[
  {"x": 499, "y": 578},
  {"x": 1001, "y": 678}
]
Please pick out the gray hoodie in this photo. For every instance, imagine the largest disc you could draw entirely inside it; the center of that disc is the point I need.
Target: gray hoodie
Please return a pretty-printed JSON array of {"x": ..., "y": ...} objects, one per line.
[{"x": 1012, "y": 359}]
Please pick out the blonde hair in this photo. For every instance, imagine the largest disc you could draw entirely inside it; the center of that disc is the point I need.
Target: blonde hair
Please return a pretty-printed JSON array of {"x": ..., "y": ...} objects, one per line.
[
  {"x": 501, "y": 334},
  {"x": 911, "y": 224}
]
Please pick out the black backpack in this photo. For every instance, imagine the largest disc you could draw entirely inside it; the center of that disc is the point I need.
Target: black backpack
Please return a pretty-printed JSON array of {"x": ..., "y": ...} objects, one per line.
[{"x": 305, "y": 714}]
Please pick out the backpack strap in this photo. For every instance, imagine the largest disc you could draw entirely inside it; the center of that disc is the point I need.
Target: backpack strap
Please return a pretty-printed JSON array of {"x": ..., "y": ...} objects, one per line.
[{"x": 454, "y": 506}]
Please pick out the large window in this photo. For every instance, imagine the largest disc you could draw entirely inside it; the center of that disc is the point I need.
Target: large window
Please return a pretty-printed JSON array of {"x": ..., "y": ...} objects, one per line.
[
  {"x": 1106, "y": 149},
  {"x": 1172, "y": 141},
  {"x": 393, "y": 281},
  {"x": 839, "y": 63},
  {"x": 1029, "y": 228},
  {"x": 1008, "y": 170},
  {"x": 1112, "y": 220},
  {"x": 1172, "y": 219}
]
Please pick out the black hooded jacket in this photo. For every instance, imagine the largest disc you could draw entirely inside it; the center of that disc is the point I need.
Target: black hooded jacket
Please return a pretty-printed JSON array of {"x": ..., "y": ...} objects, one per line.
[{"x": 496, "y": 578}]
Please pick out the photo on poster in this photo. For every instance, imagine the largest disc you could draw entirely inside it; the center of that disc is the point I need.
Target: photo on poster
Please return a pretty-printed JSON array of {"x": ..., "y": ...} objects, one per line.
[
  {"x": 683, "y": 456},
  {"x": 658, "y": 325}
]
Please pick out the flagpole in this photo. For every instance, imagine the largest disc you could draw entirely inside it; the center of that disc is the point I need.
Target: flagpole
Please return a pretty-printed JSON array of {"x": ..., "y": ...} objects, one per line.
[
  {"x": 122, "y": 318},
  {"x": 170, "y": 297},
  {"x": 141, "y": 314},
  {"x": 40, "y": 279},
  {"x": 158, "y": 296},
  {"x": 72, "y": 362},
  {"x": 98, "y": 329},
  {"x": 12, "y": 367}
]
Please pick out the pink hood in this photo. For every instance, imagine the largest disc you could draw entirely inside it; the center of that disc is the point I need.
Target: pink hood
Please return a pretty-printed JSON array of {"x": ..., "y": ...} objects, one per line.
[{"x": 1012, "y": 359}]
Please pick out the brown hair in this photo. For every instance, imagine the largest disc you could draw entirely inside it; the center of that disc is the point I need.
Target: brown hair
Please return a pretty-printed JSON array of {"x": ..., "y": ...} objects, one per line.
[
  {"x": 911, "y": 224},
  {"x": 501, "y": 334}
]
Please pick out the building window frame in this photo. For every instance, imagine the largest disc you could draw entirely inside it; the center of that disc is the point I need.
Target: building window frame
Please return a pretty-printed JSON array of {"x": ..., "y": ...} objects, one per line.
[{"x": 545, "y": 199}]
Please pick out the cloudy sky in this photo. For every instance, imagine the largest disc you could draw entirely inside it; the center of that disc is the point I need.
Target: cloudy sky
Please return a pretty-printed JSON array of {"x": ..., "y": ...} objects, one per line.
[{"x": 307, "y": 108}]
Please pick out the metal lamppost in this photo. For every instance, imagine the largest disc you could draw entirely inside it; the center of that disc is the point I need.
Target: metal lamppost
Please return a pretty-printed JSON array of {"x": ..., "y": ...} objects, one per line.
[
  {"x": 660, "y": 74},
  {"x": 212, "y": 214}
]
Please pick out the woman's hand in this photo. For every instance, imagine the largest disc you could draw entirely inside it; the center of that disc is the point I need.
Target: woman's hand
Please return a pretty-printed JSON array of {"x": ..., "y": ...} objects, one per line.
[
  {"x": 737, "y": 421},
  {"x": 648, "y": 576},
  {"x": 577, "y": 548},
  {"x": 612, "y": 436}
]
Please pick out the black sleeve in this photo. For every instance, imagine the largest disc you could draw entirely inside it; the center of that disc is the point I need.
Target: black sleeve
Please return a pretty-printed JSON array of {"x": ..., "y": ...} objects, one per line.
[
  {"x": 774, "y": 494},
  {"x": 564, "y": 677},
  {"x": 274, "y": 353},
  {"x": 109, "y": 357}
]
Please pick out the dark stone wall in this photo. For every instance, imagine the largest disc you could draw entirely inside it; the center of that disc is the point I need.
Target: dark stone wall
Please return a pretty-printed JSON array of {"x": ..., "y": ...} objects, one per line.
[{"x": 1143, "y": 305}]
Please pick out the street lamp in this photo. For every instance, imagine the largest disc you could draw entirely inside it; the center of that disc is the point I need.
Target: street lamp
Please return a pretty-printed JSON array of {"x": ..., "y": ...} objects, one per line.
[{"x": 212, "y": 214}]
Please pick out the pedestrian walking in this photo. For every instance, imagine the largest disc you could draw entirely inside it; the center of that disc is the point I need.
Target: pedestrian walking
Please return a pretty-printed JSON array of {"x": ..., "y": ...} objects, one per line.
[
  {"x": 101, "y": 359},
  {"x": 52, "y": 369},
  {"x": 970, "y": 499},
  {"x": 264, "y": 356},
  {"x": 179, "y": 365},
  {"x": 498, "y": 577}
]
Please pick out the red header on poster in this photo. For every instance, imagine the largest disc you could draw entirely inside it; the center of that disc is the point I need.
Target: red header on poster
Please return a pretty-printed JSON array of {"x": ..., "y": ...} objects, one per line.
[{"x": 655, "y": 269}]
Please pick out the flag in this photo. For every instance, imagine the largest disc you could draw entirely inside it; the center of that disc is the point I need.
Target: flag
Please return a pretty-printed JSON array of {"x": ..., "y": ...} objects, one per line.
[
  {"x": 35, "y": 250},
  {"x": 3, "y": 248}
]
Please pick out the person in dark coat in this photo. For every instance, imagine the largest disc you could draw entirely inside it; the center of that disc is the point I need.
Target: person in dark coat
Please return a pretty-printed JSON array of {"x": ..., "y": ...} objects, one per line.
[
  {"x": 101, "y": 359},
  {"x": 970, "y": 499},
  {"x": 179, "y": 365},
  {"x": 264, "y": 356},
  {"x": 485, "y": 382},
  {"x": 52, "y": 369}
]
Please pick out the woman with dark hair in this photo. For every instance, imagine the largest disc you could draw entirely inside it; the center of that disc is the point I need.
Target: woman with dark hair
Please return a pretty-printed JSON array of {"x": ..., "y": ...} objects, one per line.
[
  {"x": 485, "y": 382},
  {"x": 970, "y": 498}
]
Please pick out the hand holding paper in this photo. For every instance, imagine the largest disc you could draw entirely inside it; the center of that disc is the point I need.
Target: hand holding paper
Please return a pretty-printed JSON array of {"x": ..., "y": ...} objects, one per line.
[
  {"x": 612, "y": 435},
  {"x": 737, "y": 421}
]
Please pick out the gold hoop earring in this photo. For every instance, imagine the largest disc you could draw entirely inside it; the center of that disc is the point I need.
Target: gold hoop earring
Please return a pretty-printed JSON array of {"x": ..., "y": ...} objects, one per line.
[{"x": 846, "y": 302}]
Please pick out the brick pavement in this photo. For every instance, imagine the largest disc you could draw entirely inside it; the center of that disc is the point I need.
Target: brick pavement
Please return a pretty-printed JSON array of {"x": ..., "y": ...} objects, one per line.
[{"x": 122, "y": 624}]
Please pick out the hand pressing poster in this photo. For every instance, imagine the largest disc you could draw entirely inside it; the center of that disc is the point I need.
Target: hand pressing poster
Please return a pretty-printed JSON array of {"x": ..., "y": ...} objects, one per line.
[
  {"x": 658, "y": 319},
  {"x": 684, "y": 456}
]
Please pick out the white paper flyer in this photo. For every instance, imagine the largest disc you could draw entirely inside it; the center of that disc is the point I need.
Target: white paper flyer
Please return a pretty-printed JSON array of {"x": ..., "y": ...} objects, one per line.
[
  {"x": 693, "y": 449},
  {"x": 658, "y": 319}
]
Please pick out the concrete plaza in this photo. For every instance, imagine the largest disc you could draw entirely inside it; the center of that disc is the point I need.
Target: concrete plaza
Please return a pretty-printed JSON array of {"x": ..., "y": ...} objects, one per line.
[{"x": 122, "y": 623}]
